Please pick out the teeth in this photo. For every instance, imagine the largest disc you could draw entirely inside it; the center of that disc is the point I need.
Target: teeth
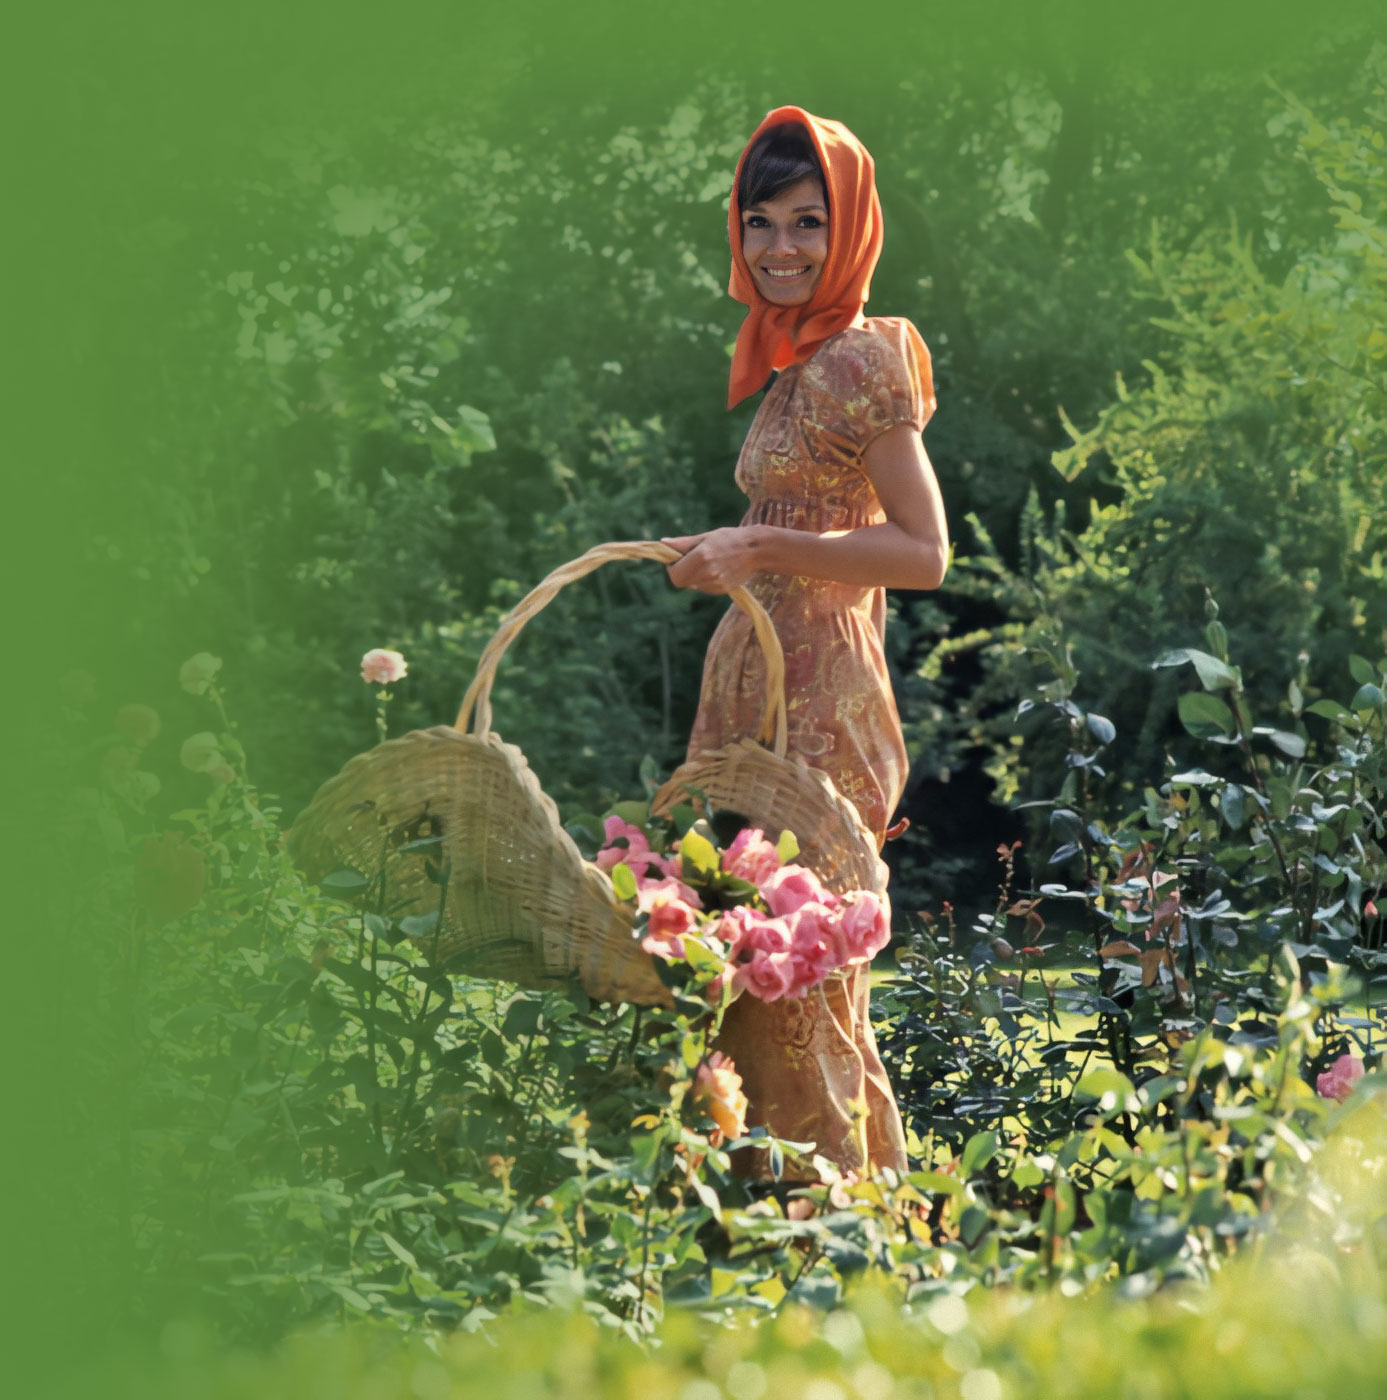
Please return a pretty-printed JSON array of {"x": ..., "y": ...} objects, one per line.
[{"x": 792, "y": 272}]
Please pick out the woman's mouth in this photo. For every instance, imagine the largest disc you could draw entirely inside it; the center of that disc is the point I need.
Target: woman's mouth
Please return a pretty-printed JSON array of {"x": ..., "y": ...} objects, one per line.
[{"x": 785, "y": 274}]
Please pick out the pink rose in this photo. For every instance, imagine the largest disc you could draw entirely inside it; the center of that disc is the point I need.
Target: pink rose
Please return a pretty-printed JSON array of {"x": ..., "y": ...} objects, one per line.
[
  {"x": 196, "y": 673},
  {"x": 792, "y": 885},
  {"x": 669, "y": 918},
  {"x": 768, "y": 976},
  {"x": 751, "y": 857},
  {"x": 1338, "y": 1080},
  {"x": 200, "y": 752},
  {"x": 805, "y": 974},
  {"x": 138, "y": 723},
  {"x": 865, "y": 925},
  {"x": 380, "y": 666},
  {"x": 817, "y": 938},
  {"x": 636, "y": 852},
  {"x": 746, "y": 930}
]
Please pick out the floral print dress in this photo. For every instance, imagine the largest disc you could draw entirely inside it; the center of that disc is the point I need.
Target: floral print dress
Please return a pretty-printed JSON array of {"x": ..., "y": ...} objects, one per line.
[{"x": 810, "y": 1066}]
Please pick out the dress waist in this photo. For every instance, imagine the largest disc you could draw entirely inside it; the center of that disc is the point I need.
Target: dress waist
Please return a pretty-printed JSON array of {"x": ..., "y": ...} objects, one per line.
[{"x": 817, "y": 514}]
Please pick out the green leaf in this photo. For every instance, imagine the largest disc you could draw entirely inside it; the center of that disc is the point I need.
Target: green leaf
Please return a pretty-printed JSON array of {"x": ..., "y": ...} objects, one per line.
[
  {"x": 700, "y": 855},
  {"x": 1027, "y": 1173},
  {"x": 1232, "y": 803},
  {"x": 1369, "y": 697},
  {"x": 1362, "y": 670},
  {"x": 399, "y": 1251},
  {"x": 978, "y": 1151},
  {"x": 1328, "y": 709},
  {"x": 1098, "y": 1083},
  {"x": 474, "y": 429},
  {"x": 787, "y": 848},
  {"x": 1102, "y": 728},
  {"x": 345, "y": 881},
  {"x": 417, "y": 925},
  {"x": 1213, "y": 673},
  {"x": 1289, "y": 743},
  {"x": 623, "y": 880},
  {"x": 701, "y": 957},
  {"x": 636, "y": 813},
  {"x": 1205, "y": 715}
]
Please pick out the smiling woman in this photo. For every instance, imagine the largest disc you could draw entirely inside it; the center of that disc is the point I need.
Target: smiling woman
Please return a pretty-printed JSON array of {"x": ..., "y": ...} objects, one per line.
[
  {"x": 784, "y": 216},
  {"x": 843, "y": 504}
]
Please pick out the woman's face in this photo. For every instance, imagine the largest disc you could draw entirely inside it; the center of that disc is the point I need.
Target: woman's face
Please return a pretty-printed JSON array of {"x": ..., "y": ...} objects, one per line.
[{"x": 785, "y": 242}]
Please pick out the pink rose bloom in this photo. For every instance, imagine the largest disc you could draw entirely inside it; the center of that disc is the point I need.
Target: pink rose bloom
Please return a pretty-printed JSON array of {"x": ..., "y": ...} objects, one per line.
[
  {"x": 1338, "y": 1080},
  {"x": 792, "y": 885},
  {"x": 806, "y": 974},
  {"x": 636, "y": 852},
  {"x": 655, "y": 895},
  {"x": 817, "y": 939},
  {"x": 380, "y": 666},
  {"x": 751, "y": 857},
  {"x": 768, "y": 976},
  {"x": 865, "y": 924},
  {"x": 138, "y": 723},
  {"x": 685, "y": 892},
  {"x": 196, "y": 673},
  {"x": 748, "y": 931},
  {"x": 673, "y": 867},
  {"x": 669, "y": 919}
]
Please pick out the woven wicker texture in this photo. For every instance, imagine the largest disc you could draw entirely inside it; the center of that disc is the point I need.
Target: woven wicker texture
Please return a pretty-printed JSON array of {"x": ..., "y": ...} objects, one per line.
[
  {"x": 516, "y": 898},
  {"x": 777, "y": 794}
]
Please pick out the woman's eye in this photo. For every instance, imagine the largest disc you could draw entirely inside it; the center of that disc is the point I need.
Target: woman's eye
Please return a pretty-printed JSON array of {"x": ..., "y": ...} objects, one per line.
[{"x": 811, "y": 221}]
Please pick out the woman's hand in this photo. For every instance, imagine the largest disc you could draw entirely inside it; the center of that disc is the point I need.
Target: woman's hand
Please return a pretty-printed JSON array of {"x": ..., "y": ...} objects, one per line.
[{"x": 717, "y": 561}]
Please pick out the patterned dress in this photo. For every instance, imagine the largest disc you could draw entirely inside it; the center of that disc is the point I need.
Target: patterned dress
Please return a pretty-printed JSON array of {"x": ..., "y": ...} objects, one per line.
[{"x": 810, "y": 1066}]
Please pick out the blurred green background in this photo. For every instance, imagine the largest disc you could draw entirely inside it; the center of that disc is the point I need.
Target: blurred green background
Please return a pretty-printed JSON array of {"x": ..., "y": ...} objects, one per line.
[{"x": 338, "y": 328}]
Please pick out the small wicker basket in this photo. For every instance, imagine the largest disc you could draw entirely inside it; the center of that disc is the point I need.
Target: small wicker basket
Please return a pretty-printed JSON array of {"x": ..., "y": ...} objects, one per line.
[{"x": 458, "y": 822}]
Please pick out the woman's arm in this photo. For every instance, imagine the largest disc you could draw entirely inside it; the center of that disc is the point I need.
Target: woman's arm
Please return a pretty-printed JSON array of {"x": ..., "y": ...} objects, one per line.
[{"x": 911, "y": 550}]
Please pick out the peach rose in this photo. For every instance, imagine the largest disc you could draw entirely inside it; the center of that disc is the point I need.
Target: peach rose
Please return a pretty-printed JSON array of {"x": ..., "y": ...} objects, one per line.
[
  {"x": 381, "y": 666},
  {"x": 718, "y": 1085}
]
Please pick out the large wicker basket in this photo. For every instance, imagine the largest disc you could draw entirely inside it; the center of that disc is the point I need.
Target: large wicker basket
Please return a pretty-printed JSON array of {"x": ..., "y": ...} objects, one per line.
[{"x": 455, "y": 821}]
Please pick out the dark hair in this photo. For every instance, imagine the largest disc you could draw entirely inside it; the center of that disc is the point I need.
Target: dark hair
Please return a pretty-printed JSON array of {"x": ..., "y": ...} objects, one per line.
[{"x": 781, "y": 156}]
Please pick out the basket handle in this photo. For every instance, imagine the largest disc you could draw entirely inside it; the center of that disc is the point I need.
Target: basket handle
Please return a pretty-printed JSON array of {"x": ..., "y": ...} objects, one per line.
[{"x": 476, "y": 704}]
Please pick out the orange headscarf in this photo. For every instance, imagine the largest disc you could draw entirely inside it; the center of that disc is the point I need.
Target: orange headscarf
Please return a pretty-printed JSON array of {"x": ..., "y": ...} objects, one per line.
[{"x": 772, "y": 336}]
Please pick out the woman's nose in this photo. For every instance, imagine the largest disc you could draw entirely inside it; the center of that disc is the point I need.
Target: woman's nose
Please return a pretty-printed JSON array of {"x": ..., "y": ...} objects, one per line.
[{"x": 784, "y": 241}]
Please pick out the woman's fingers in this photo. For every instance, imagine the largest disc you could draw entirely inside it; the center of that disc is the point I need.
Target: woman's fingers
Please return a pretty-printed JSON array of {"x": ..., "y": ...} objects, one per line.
[
  {"x": 683, "y": 543},
  {"x": 694, "y": 571}
]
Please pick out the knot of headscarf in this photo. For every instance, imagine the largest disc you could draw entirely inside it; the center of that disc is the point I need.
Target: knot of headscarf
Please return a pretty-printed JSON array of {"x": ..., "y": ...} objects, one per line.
[{"x": 773, "y": 337}]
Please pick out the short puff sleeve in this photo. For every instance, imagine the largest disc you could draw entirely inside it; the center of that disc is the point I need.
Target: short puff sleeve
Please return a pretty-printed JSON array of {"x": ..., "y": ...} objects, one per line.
[{"x": 877, "y": 376}]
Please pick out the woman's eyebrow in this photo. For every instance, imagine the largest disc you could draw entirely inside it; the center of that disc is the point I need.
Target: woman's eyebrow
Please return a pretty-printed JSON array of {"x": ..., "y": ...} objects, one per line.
[{"x": 803, "y": 209}]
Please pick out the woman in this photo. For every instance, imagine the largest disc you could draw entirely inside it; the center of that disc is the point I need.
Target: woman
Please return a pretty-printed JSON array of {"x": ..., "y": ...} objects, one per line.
[{"x": 844, "y": 504}]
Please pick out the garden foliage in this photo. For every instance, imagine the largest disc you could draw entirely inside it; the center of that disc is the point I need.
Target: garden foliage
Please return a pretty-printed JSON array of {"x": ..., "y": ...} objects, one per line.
[{"x": 328, "y": 1125}]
